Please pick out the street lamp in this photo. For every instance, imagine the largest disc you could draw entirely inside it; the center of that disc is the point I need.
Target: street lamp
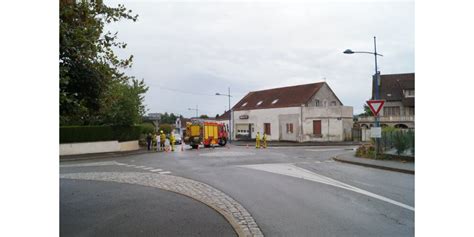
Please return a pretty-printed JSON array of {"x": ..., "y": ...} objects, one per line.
[
  {"x": 196, "y": 109},
  {"x": 230, "y": 114},
  {"x": 377, "y": 82}
]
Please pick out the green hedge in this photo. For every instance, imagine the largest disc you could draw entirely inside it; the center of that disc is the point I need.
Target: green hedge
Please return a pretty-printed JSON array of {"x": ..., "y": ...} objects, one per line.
[{"x": 72, "y": 134}]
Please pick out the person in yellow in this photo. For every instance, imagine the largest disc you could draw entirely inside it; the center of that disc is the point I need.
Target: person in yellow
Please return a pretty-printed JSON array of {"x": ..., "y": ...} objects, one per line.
[
  {"x": 257, "y": 140},
  {"x": 264, "y": 138},
  {"x": 162, "y": 140},
  {"x": 172, "y": 141},
  {"x": 153, "y": 138}
]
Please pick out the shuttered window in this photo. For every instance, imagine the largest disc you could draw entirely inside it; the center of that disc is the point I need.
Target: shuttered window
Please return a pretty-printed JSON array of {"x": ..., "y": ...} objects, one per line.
[
  {"x": 317, "y": 127},
  {"x": 267, "y": 128}
]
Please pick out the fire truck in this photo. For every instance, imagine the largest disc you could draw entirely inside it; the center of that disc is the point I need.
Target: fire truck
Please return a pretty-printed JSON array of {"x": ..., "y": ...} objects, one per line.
[{"x": 206, "y": 133}]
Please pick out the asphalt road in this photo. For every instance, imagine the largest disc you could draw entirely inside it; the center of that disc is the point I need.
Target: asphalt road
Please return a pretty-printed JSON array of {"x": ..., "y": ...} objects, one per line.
[
  {"x": 290, "y": 191},
  {"x": 94, "y": 208}
]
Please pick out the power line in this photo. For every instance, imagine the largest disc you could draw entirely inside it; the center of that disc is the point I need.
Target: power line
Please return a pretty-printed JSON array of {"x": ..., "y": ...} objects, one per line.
[{"x": 186, "y": 92}]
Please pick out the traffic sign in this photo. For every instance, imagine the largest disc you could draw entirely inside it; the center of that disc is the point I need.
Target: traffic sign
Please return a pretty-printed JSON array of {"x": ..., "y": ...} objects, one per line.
[
  {"x": 376, "y": 132},
  {"x": 375, "y": 106}
]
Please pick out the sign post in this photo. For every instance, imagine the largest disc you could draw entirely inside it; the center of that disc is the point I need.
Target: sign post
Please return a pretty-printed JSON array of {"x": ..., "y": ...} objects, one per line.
[{"x": 376, "y": 131}]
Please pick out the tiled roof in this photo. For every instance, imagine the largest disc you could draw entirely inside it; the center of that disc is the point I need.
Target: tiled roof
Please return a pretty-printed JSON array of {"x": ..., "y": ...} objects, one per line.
[
  {"x": 393, "y": 85},
  {"x": 290, "y": 96},
  {"x": 224, "y": 116}
]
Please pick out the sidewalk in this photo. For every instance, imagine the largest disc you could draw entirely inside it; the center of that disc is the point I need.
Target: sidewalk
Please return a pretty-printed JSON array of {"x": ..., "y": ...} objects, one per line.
[
  {"x": 397, "y": 166},
  {"x": 142, "y": 150},
  {"x": 289, "y": 143}
]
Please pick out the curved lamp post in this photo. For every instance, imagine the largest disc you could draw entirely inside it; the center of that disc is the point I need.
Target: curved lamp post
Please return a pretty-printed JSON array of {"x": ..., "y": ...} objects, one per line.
[
  {"x": 377, "y": 82},
  {"x": 230, "y": 114}
]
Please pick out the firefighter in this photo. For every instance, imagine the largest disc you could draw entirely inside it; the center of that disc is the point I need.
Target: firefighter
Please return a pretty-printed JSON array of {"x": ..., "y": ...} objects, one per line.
[
  {"x": 162, "y": 140},
  {"x": 172, "y": 141},
  {"x": 153, "y": 142},
  {"x": 264, "y": 138},
  {"x": 257, "y": 140}
]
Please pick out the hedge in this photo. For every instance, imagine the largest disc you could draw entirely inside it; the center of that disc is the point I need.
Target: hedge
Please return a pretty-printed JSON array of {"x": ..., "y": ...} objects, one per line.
[{"x": 72, "y": 134}]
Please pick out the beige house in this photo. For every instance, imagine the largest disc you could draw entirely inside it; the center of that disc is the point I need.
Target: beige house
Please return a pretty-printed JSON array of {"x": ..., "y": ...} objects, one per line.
[
  {"x": 310, "y": 112},
  {"x": 398, "y": 91}
]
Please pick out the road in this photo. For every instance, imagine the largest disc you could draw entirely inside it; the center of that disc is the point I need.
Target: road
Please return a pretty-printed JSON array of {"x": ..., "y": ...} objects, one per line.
[{"x": 289, "y": 191}]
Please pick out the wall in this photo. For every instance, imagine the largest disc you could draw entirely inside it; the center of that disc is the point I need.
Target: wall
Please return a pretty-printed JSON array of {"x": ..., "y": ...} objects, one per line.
[
  {"x": 324, "y": 94},
  {"x": 336, "y": 123},
  {"x": 129, "y": 146},
  {"x": 287, "y": 119},
  {"x": 260, "y": 116},
  {"x": 96, "y": 147}
]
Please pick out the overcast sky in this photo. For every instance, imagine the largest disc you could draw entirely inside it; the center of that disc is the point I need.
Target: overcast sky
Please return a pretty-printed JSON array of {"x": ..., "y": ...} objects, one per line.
[{"x": 188, "y": 51}]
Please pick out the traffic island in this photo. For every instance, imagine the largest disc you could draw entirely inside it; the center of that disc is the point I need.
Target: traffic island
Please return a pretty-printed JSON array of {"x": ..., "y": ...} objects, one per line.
[{"x": 397, "y": 166}]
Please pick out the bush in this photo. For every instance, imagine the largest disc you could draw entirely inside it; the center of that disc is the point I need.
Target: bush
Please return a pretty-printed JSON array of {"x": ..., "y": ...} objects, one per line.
[
  {"x": 72, "y": 134},
  {"x": 400, "y": 141},
  {"x": 366, "y": 150},
  {"x": 166, "y": 128},
  {"x": 147, "y": 128}
]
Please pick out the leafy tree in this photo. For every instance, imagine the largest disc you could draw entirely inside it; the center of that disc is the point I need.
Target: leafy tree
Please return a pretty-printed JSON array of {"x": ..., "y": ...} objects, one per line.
[
  {"x": 92, "y": 87},
  {"x": 166, "y": 128},
  {"x": 367, "y": 112},
  {"x": 204, "y": 116}
]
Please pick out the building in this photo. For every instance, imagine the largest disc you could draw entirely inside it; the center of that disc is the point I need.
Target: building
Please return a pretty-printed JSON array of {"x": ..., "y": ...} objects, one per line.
[
  {"x": 224, "y": 118},
  {"x": 398, "y": 91},
  {"x": 180, "y": 125},
  {"x": 310, "y": 112}
]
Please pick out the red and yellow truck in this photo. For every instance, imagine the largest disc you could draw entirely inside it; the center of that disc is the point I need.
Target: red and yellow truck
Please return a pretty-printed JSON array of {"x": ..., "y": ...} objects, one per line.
[{"x": 206, "y": 133}]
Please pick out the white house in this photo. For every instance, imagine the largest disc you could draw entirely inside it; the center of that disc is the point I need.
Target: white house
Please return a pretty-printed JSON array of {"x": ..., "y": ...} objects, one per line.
[{"x": 310, "y": 112}]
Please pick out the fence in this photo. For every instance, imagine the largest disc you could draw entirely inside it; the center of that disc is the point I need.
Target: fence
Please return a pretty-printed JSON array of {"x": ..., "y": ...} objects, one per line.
[{"x": 402, "y": 140}]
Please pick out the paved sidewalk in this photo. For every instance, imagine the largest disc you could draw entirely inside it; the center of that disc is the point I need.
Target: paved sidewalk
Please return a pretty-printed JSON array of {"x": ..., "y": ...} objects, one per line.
[{"x": 407, "y": 167}]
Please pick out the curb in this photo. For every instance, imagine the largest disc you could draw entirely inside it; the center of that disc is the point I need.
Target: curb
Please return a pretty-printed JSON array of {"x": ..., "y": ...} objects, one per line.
[
  {"x": 240, "y": 219},
  {"x": 375, "y": 166},
  {"x": 93, "y": 156}
]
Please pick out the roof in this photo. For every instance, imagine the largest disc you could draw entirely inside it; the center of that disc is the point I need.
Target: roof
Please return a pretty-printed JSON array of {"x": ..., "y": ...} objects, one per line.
[
  {"x": 392, "y": 86},
  {"x": 290, "y": 96},
  {"x": 224, "y": 116}
]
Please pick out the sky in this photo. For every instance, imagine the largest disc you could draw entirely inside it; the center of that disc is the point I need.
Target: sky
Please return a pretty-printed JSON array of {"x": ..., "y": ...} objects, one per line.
[{"x": 187, "y": 51}]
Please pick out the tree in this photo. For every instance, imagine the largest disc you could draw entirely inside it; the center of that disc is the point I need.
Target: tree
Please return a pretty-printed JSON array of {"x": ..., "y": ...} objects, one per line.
[
  {"x": 92, "y": 87},
  {"x": 204, "y": 116},
  {"x": 367, "y": 112}
]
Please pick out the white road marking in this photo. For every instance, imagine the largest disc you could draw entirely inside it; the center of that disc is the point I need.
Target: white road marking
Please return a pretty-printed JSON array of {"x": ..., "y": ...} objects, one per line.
[
  {"x": 148, "y": 168},
  {"x": 297, "y": 172},
  {"x": 140, "y": 167},
  {"x": 165, "y": 172},
  {"x": 155, "y": 170}
]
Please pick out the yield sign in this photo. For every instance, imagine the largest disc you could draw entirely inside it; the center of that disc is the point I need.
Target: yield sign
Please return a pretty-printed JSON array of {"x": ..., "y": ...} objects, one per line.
[{"x": 375, "y": 106}]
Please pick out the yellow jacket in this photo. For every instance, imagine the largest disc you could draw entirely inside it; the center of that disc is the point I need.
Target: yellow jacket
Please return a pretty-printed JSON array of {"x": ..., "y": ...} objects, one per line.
[{"x": 162, "y": 137}]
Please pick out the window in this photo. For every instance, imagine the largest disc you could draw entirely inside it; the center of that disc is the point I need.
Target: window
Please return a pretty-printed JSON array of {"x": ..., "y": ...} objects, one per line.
[
  {"x": 409, "y": 93},
  {"x": 267, "y": 129},
  {"x": 316, "y": 103},
  {"x": 391, "y": 111},
  {"x": 317, "y": 127},
  {"x": 325, "y": 103},
  {"x": 244, "y": 104},
  {"x": 259, "y": 103},
  {"x": 289, "y": 128},
  {"x": 274, "y": 101},
  {"x": 333, "y": 103}
]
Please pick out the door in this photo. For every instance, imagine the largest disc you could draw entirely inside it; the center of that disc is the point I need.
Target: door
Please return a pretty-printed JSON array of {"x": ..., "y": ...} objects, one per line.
[{"x": 317, "y": 127}]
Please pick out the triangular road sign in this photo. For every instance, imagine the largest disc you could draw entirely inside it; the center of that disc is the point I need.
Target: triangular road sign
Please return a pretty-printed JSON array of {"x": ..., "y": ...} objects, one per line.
[{"x": 375, "y": 106}]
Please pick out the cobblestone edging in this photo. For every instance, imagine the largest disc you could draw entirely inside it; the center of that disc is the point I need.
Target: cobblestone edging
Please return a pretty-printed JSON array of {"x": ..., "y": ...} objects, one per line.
[{"x": 236, "y": 214}]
